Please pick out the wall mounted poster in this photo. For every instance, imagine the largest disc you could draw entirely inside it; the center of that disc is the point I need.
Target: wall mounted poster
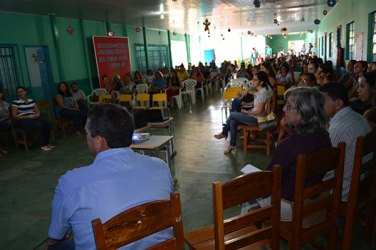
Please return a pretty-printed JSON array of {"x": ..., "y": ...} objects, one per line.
[
  {"x": 112, "y": 58},
  {"x": 359, "y": 41}
]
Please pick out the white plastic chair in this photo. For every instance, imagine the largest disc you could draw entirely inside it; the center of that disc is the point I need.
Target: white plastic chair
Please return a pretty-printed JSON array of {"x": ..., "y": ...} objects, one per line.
[
  {"x": 142, "y": 88},
  {"x": 190, "y": 89},
  {"x": 202, "y": 89},
  {"x": 96, "y": 93},
  {"x": 178, "y": 98}
]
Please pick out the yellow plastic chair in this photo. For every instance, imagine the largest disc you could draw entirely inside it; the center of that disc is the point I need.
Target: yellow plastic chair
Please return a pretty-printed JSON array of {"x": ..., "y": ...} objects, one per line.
[
  {"x": 125, "y": 99},
  {"x": 104, "y": 98},
  {"x": 161, "y": 99},
  {"x": 142, "y": 101},
  {"x": 228, "y": 96}
]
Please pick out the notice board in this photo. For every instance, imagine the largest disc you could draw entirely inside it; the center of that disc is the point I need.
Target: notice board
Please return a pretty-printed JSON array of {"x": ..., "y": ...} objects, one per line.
[{"x": 112, "y": 58}]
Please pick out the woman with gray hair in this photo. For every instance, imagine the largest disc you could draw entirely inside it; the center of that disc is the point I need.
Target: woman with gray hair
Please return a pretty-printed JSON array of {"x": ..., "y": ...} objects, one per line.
[{"x": 306, "y": 115}]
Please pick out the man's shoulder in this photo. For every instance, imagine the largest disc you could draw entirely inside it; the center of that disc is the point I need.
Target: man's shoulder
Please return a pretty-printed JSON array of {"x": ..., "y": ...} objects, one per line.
[{"x": 349, "y": 124}]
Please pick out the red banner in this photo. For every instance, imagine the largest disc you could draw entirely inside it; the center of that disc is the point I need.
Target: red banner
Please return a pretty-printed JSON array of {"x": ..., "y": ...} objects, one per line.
[{"x": 112, "y": 58}]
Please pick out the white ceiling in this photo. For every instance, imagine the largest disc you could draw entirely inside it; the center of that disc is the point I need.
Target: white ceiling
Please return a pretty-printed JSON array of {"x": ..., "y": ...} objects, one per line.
[{"x": 184, "y": 16}]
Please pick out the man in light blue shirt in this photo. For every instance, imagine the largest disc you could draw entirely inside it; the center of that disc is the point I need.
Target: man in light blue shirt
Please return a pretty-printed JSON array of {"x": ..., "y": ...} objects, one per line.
[{"x": 117, "y": 180}]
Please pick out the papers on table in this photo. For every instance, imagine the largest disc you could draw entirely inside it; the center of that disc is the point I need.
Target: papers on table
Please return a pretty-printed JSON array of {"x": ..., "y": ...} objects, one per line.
[{"x": 249, "y": 169}]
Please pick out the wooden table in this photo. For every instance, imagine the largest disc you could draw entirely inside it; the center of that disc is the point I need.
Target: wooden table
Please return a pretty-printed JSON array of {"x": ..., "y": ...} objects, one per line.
[{"x": 156, "y": 143}]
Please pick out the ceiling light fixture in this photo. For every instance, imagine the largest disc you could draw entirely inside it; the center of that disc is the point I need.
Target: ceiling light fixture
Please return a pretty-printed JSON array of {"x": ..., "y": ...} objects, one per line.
[
  {"x": 257, "y": 3},
  {"x": 162, "y": 16}
]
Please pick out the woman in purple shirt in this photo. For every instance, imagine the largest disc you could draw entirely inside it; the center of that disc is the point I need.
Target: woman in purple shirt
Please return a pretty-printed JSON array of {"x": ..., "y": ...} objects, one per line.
[{"x": 305, "y": 114}]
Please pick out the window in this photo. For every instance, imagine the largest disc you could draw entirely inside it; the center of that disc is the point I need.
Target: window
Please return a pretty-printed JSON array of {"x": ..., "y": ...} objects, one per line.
[
  {"x": 330, "y": 44},
  {"x": 350, "y": 41},
  {"x": 158, "y": 57},
  {"x": 372, "y": 37},
  {"x": 8, "y": 71},
  {"x": 322, "y": 46}
]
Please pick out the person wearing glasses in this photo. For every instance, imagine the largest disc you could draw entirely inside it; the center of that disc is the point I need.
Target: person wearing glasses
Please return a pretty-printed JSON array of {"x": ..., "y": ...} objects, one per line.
[{"x": 306, "y": 116}]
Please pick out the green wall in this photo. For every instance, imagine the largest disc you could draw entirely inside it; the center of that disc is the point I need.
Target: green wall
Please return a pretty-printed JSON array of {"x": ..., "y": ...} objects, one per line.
[
  {"x": 344, "y": 12},
  {"x": 71, "y": 55},
  {"x": 279, "y": 43}
]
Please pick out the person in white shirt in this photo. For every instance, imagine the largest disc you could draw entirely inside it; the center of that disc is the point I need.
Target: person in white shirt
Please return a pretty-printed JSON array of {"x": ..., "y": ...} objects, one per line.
[{"x": 345, "y": 126}]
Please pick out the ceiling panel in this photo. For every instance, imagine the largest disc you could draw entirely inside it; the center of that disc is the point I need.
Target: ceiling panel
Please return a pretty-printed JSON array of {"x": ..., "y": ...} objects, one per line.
[{"x": 184, "y": 16}]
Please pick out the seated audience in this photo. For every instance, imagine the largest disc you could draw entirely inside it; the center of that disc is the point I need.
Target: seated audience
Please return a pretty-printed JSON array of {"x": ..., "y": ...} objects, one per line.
[
  {"x": 174, "y": 86},
  {"x": 345, "y": 126},
  {"x": 370, "y": 115},
  {"x": 284, "y": 76},
  {"x": 182, "y": 73},
  {"x": 80, "y": 97},
  {"x": 4, "y": 118},
  {"x": 128, "y": 86},
  {"x": 366, "y": 93},
  {"x": 25, "y": 115},
  {"x": 360, "y": 68},
  {"x": 117, "y": 180},
  {"x": 348, "y": 77},
  {"x": 149, "y": 77},
  {"x": 117, "y": 84},
  {"x": 158, "y": 83},
  {"x": 68, "y": 107},
  {"x": 306, "y": 115},
  {"x": 196, "y": 75},
  {"x": 249, "y": 117},
  {"x": 304, "y": 69},
  {"x": 268, "y": 69},
  {"x": 138, "y": 78}
]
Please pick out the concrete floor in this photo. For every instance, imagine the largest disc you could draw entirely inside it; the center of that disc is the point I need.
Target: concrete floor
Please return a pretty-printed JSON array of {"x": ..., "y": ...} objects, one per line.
[{"x": 27, "y": 180}]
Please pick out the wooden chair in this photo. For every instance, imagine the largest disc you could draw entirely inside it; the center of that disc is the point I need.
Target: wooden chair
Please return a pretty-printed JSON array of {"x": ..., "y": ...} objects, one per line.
[
  {"x": 250, "y": 133},
  {"x": 45, "y": 110},
  {"x": 362, "y": 192},
  {"x": 240, "y": 231},
  {"x": 141, "y": 221},
  {"x": 62, "y": 122},
  {"x": 21, "y": 136},
  {"x": 315, "y": 209}
]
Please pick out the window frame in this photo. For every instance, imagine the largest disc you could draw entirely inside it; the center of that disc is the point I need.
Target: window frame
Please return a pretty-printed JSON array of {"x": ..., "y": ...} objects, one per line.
[{"x": 350, "y": 41}]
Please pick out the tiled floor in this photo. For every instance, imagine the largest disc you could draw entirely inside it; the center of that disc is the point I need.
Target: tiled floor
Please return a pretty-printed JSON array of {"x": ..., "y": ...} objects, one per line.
[{"x": 27, "y": 180}]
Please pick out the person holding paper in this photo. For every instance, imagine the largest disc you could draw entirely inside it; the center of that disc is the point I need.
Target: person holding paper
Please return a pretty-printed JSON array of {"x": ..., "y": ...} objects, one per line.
[{"x": 306, "y": 115}]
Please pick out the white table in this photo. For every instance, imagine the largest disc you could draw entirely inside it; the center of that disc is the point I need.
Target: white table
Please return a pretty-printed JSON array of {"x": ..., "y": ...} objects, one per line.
[{"x": 156, "y": 143}]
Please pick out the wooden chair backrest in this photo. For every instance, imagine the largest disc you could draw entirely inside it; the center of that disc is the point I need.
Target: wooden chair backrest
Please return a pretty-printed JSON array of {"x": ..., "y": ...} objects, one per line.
[
  {"x": 242, "y": 189},
  {"x": 44, "y": 108},
  {"x": 364, "y": 175},
  {"x": 141, "y": 221},
  {"x": 315, "y": 196}
]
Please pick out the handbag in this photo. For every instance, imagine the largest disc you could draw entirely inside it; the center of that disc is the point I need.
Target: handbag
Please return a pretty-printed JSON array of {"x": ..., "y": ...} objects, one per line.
[{"x": 267, "y": 122}]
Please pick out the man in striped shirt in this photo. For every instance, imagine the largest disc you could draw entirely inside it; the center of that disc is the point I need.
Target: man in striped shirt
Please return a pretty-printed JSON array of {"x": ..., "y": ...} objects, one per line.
[
  {"x": 345, "y": 126},
  {"x": 26, "y": 115}
]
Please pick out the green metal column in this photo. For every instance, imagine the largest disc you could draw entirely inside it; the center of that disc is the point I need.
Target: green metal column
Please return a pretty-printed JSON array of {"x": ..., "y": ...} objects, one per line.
[
  {"x": 145, "y": 48},
  {"x": 169, "y": 47},
  {"x": 55, "y": 39},
  {"x": 187, "y": 47},
  {"x": 86, "y": 52},
  {"x": 108, "y": 27},
  {"x": 241, "y": 47}
]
